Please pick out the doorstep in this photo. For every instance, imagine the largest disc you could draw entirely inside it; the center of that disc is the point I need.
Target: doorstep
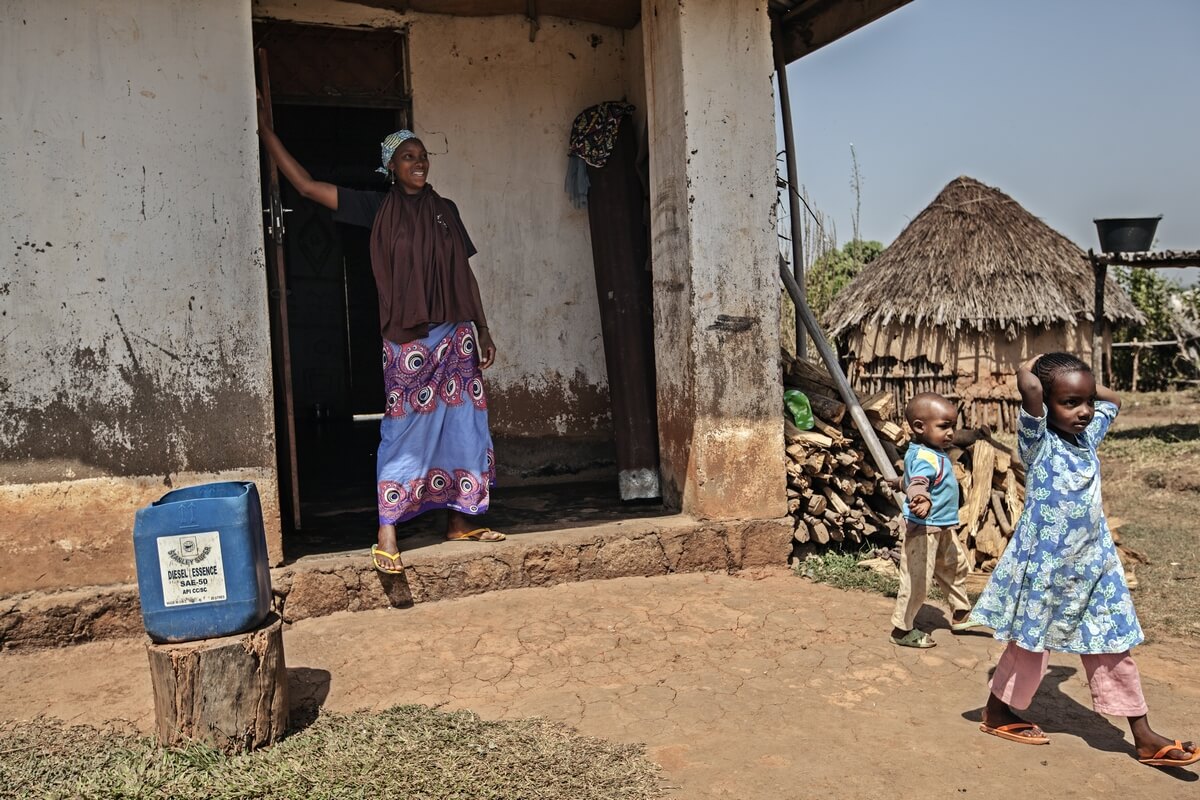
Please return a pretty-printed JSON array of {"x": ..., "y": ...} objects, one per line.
[{"x": 315, "y": 586}]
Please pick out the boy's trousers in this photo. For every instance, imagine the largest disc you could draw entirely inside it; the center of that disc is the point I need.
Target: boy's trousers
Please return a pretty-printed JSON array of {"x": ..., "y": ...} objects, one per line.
[{"x": 929, "y": 552}]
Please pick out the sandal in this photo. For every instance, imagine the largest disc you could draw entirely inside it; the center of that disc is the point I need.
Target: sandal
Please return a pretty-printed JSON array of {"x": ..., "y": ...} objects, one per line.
[
  {"x": 1157, "y": 759},
  {"x": 394, "y": 567},
  {"x": 914, "y": 638},
  {"x": 478, "y": 535},
  {"x": 966, "y": 625},
  {"x": 1009, "y": 732}
]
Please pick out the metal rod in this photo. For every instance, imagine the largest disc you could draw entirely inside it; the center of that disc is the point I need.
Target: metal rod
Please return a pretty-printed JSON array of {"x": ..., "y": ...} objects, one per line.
[
  {"x": 789, "y": 149},
  {"x": 803, "y": 312}
]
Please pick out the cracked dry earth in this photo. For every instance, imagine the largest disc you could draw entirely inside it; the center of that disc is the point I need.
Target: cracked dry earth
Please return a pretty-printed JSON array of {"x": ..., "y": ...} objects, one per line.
[{"x": 757, "y": 685}]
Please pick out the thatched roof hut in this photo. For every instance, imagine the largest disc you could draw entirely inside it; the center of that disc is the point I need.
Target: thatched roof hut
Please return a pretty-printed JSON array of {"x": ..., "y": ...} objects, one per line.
[{"x": 974, "y": 285}]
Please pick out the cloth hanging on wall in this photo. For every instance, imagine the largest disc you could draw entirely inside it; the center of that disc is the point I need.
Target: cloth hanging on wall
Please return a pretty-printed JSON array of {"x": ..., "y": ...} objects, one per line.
[{"x": 593, "y": 136}]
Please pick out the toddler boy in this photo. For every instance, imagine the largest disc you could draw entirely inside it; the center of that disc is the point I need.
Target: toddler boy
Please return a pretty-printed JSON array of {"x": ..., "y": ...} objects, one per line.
[{"x": 931, "y": 548}]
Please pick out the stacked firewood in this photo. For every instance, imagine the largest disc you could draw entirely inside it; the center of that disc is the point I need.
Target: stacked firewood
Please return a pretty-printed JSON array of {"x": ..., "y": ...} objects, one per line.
[
  {"x": 992, "y": 480},
  {"x": 835, "y": 491}
]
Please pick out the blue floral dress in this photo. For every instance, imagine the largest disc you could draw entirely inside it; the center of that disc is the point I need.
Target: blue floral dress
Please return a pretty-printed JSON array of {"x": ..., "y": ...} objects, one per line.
[{"x": 1060, "y": 585}]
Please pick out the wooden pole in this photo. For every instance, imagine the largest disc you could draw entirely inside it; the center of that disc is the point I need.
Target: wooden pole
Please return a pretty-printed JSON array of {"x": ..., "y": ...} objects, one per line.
[
  {"x": 861, "y": 421},
  {"x": 1100, "y": 269},
  {"x": 793, "y": 179}
]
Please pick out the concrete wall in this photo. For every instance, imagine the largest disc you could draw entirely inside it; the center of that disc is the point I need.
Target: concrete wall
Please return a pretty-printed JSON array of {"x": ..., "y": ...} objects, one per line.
[
  {"x": 716, "y": 284},
  {"x": 495, "y": 111},
  {"x": 134, "y": 345}
]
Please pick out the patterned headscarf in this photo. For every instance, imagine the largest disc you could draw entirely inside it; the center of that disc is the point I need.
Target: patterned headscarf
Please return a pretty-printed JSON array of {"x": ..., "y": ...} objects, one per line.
[{"x": 388, "y": 147}]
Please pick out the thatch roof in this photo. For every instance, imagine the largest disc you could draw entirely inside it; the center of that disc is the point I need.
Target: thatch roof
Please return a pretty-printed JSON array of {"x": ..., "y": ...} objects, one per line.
[{"x": 975, "y": 258}]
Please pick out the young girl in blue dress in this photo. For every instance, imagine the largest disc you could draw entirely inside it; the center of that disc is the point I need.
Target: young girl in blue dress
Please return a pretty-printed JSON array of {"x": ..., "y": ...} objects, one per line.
[{"x": 1059, "y": 585}]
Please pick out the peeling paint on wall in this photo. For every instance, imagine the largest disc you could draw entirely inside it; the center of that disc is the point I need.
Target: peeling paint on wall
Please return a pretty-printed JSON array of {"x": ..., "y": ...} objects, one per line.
[{"x": 133, "y": 328}]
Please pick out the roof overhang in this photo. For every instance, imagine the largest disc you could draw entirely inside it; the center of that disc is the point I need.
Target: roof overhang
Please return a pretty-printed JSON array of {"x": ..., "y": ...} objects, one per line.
[
  {"x": 614, "y": 13},
  {"x": 807, "y": 24}
]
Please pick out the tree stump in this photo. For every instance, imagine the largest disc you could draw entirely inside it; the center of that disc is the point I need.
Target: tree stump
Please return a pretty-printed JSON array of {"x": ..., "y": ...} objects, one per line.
[{"x": 230, "y": 692}]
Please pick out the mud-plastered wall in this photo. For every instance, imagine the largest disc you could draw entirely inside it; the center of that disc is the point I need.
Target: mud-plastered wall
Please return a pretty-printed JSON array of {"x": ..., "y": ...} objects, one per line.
[{"x": 134, "y": 338}]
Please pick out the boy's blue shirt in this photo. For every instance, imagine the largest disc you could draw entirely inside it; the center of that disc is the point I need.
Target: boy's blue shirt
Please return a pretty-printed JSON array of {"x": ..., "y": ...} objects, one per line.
[{"x": 922, "y": 461}]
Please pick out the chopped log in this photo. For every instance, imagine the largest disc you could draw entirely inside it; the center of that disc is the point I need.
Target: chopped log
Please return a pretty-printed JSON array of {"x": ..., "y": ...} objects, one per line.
[
  {"x": 826, "y": 407},
  {"x": 796, "y": 452},
  {"x": 962, "y": 476},
  {"x": 816, "y": 463},
  {"x": 801, "y": 533},
  {"x": 805, "y": 371},
  {"x": 881, "y": 404},
  {"x": 847, "y": 486},
  {"x": 818, "y": 531},
  {"x": 1001, "y": 514},
  {"x": 889, "y": 431},
  {"x": 1014, "y": 498},
  {"x": 832, "y": 431},
  {"x": 989, "y": 540},
  {"x": 817, "y": 505},
  {"x": 813, "y": 438},
  {"x": 983, "y": 463},
  {"x": 1003, "y": 462},
  {"x": 230, "y": 693},
  {"x": 836, "y": 501}
]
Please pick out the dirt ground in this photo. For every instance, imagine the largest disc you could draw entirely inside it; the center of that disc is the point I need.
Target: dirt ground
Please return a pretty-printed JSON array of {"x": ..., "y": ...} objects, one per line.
[
  {"x": 1151, "y": 467},
  {"x": 746, "y": 686}
]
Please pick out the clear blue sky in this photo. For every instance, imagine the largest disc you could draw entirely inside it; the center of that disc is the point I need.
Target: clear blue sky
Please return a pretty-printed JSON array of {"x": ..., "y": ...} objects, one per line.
[{"x": 1076, "y": 108}]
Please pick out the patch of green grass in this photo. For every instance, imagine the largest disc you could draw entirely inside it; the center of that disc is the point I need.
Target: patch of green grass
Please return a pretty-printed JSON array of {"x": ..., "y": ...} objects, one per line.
[
  {"x": 841, "y": 570},
  {"x": 404, "y": 752}
]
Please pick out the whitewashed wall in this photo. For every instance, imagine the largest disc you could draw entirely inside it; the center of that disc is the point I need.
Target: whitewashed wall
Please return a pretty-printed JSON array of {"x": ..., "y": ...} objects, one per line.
[
  {"x": 134, "y": 344},
  {"x": 495, "y": 111}
]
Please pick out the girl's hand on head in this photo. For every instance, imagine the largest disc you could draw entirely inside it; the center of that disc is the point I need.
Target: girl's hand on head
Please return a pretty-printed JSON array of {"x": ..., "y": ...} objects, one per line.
[
  {"x": 1028, "y": 365},
  {"x": 487, "y": 349}
]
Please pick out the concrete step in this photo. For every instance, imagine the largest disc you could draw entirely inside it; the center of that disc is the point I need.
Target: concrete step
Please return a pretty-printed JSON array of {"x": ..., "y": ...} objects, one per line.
[{"x": 315, "y": 586}]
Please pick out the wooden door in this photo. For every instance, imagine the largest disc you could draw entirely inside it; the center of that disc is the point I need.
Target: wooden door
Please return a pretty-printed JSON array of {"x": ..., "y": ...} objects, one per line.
[{"x": 281, "y": 352}]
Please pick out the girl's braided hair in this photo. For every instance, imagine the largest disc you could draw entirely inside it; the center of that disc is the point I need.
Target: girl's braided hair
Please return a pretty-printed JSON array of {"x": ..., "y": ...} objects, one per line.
[{"x": 1051, "y": 365}]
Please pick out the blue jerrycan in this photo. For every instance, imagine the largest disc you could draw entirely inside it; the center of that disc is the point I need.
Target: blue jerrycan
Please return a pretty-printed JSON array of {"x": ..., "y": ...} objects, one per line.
[{"x": 202, "y": 565}]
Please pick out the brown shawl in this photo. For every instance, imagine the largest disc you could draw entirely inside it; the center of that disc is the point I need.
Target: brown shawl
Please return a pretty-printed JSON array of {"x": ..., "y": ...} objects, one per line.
[{"x": 419, "y": 257}]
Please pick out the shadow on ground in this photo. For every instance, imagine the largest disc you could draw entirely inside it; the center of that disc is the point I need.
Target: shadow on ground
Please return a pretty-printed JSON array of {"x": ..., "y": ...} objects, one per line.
[{"x": 1056, "y": 712}]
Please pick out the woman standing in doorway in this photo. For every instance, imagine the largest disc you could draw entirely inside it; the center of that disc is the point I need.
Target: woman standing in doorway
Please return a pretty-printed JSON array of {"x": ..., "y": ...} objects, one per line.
[{"x": 435, "y": 450}]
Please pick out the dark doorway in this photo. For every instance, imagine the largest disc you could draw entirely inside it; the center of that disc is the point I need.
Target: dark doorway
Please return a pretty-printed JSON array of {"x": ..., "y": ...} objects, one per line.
[
  {"x": 335, "y": 94},
  {"x": 337, "y": 384}
]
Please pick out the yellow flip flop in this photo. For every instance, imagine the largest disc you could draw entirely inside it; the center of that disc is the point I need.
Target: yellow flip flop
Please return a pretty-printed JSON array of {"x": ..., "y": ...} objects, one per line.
[
  {"x": 396, "y": 567},
  {"x": 478, "y": 535}
]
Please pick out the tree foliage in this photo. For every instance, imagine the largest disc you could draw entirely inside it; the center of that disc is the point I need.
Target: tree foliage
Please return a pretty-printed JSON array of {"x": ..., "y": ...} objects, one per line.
[
  {"x": 830, "y": 273},
  {"x": 1164, "y": 304}
]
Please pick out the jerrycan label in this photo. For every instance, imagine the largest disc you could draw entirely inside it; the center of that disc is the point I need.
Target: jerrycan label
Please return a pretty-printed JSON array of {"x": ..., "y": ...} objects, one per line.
[{"x": 192, "y": 569}]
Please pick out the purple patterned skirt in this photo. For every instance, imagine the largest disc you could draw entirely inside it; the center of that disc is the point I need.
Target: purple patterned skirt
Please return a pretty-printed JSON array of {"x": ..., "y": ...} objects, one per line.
[{"x": 435, "y": 450}]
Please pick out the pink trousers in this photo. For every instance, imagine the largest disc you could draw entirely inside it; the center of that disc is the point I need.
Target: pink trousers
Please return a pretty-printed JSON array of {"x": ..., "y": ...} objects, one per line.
[{"x": 1113, "y": 678}]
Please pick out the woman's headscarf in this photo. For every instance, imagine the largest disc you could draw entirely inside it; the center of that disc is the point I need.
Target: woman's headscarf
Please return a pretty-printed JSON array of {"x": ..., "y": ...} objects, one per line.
[{"x": 387, "y": 148}]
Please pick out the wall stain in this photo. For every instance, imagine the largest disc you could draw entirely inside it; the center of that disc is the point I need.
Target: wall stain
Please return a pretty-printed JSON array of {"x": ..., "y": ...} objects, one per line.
[{"x": 157, "y": 427}]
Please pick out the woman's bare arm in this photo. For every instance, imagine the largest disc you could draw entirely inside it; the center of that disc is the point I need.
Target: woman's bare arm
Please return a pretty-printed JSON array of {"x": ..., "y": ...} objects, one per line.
[{"x": 317, "y": 191}]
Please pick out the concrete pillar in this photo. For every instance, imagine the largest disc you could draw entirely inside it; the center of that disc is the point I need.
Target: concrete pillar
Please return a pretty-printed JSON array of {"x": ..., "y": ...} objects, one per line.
[{"x": 716, "y": 288}]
